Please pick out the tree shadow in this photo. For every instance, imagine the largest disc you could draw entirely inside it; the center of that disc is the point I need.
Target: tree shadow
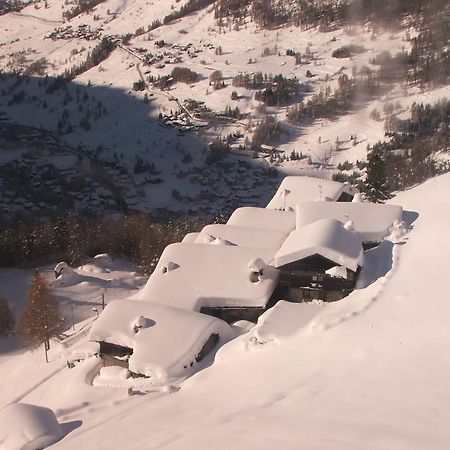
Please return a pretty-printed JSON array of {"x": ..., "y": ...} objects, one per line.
[
  {"x": 91, "y": 149},
  {"x": 11, "y": 345},
  {"x": 68, "y": 427}
]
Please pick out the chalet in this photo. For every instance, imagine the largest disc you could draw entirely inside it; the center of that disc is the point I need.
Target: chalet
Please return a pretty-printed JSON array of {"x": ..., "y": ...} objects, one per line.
[
  {"x": 224, "y": 280},
  {"x": 268, "y": 219},
  {"x": 373, "y": 221},
  {"x": 295, "y": 190},
  {"x": 155, "y": 341},
  {"x": 320, "y": 260}
]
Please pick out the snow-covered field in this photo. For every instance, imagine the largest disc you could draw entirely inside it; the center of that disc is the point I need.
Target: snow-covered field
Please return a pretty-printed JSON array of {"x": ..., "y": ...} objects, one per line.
[{"x": 367, "y": 372}]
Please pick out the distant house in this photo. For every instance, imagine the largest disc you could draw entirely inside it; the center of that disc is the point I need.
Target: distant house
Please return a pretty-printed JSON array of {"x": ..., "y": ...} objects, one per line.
[
  {"x": 268, "y": 219},
  {"x": 320, "y": 260},
  {"x": 156, "y": 341},
  {"x": 373, "y": 221},
  {"x": 268, "y": 149},
  {"x": 295, "y": 190},
  {"x": 223, "y": 280}
]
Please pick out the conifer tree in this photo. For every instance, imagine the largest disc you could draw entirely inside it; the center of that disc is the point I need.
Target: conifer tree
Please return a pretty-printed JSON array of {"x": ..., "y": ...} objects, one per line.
[
  {"x": 375, "y": 186},
  {"x": 41, "y": 319},
  {"x": 6, "y": 318}
]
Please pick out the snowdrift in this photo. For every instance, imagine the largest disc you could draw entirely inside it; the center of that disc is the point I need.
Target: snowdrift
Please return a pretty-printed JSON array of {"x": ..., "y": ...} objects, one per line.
[{"x": 28, "y": 427}]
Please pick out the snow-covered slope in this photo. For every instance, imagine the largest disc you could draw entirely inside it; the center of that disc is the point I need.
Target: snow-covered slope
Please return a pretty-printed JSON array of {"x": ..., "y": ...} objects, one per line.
[
  {"x": 125, "y": 130},
  {"x": 369, "y": 371}
]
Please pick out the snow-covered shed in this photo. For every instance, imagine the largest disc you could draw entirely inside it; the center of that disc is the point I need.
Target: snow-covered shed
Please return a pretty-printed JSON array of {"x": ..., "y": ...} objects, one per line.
[
  {"x": 297, "y": 189},
  {"x": 227, "y": 281},
  {"x": 268, "y": 219},
  {"x": 320, "y": 260},
  {"x": 373, "y": 221},
  {"x": 154, "y": 340},
  {"x": 218, "y": 234}
]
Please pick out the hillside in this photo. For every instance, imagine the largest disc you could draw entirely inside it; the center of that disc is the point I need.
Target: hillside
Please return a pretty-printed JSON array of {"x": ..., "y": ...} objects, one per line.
[
  {"x": 84, "y": 117},
  {"x": 364, "y": 372}
]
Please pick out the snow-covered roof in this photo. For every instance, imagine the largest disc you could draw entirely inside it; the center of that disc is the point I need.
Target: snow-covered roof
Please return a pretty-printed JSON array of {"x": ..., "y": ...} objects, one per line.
[
  {"x": 242, "y": 236},
  {"x": 190, "y": 238},
  {"x": 269, "y": 219},
  {"x": 165, "y": 340},
  {"x": 297, "y": 189},
  {"x": 190, "y": 276},
  {"x": 28, "y": 427},
  {"x": 372, "y": 221},
  {"x": 328, "y": 238}
]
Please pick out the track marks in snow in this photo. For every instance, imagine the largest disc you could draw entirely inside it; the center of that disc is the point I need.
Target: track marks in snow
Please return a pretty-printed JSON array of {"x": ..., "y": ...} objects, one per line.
[{"x": 374, "y": 277}]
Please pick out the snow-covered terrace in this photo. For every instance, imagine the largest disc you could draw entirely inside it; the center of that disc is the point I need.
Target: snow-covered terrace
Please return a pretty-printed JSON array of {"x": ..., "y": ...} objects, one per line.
[
  {"x": 297, "y": 189},
  {"x": 192, "y": 276},
  {"x": 328, "y": 238},
  {"x": 372, "y": 221},
  {"x": 165, "y": 340}
]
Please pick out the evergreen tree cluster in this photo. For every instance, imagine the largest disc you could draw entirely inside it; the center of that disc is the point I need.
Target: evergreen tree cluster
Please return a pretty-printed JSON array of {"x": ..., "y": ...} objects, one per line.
[
  {"x": 427, "y": 62},
  {"x": 268, "y": 131},
  {"x": 188, "y": 8},
  {"x": 81, "y": 7},
  {"x": 237, "y": 9},
  {"x": 184, "y": 75},
  {"x": 98, "y": 54},
  {"x": 329, "y": 103},
  {"x": 7, "y": 6},
  {"x": 234, "y": 113},
  {"x": 133, "y": 237},
  {"x": 256, "y": 80},
  {"x": 326, "y": 14},
  {"x": 279, "y": 91},
  {"x": 217, "y": 150},
  {"x": 408, "y": 155}
]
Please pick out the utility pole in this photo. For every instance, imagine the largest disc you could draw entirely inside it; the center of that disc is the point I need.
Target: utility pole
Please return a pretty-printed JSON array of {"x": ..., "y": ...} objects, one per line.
[
  {"x": 103, "y": 300},
  {"x": 46, "y": 344}
]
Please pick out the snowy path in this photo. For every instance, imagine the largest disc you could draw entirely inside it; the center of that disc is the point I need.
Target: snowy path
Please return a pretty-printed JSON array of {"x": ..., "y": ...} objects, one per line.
[{"x": 40, "y": 19}]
